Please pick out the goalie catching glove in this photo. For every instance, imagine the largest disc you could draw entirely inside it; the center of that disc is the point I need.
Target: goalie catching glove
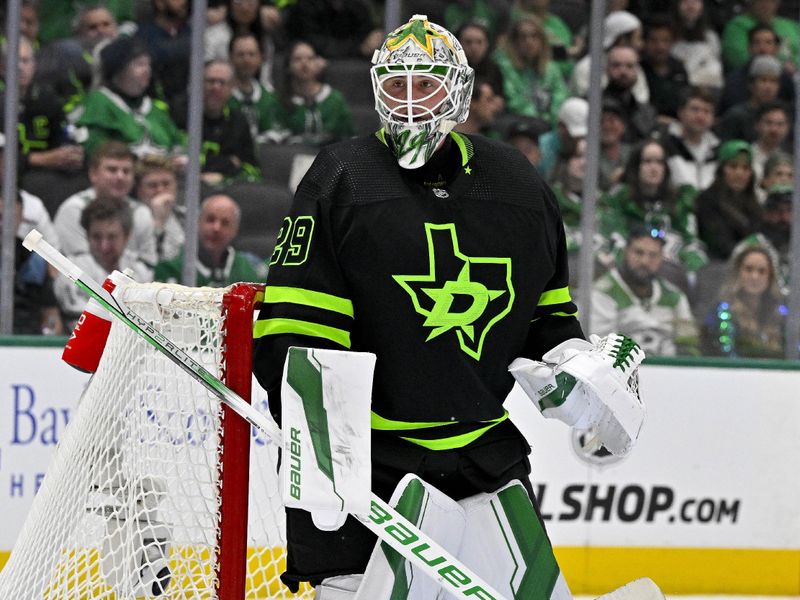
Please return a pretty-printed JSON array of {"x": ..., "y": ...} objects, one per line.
[{"x": 589, "y": 385}]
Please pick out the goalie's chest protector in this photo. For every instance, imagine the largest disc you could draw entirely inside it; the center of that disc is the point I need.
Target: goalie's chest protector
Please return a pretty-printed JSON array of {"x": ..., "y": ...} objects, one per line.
[{"x": 444, "y": 282}]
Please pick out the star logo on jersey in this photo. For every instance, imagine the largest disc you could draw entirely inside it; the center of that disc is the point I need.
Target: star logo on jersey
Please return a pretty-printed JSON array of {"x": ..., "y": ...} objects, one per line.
[
  {"x": 420, "y": 32},
  {"x": 465, "y": 295}
]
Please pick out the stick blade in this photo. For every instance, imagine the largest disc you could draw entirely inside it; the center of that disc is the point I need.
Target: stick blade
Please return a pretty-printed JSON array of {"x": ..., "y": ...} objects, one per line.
[{"x": 639, "y": 589}]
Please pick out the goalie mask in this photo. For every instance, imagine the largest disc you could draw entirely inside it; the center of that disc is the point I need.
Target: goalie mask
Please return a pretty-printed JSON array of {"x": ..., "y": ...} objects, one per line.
[{"x": 422, "y": 85}]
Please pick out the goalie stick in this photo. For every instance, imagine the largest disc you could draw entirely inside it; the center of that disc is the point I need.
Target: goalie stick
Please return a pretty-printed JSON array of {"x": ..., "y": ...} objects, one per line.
[{"x": 383, "y": 520}]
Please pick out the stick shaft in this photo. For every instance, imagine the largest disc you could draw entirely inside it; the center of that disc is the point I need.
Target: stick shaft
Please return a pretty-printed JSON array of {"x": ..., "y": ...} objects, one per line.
[{"x": 383, "y": 520}]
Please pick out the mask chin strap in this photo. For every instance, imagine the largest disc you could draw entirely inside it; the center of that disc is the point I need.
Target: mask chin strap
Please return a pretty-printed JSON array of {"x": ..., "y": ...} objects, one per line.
[{"x": 446, "y": 125}]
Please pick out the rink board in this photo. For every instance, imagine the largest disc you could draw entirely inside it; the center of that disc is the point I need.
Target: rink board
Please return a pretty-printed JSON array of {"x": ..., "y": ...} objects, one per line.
[{"x": 707, "y": 502}]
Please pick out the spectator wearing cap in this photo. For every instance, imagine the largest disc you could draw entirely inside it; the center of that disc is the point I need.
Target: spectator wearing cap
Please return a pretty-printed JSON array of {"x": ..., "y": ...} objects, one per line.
[
  {"x": 614, "y": 152},
  {"x": 532, "y": 83},
  {"x": 121, "y": 109},
  {"x": 762, "y": 40},
  {"x": 484, "y": 106},
  {"x": 622, "y": 73},
  {"x": 776, "y": 225},
  {"x": 167, "y": 37},
  {"x": 739, "y": 121},
  {"x": 691, "y": 145},
  {"x": 728, "y": 211},
  {"x": 666, "y": 76},
  {"x": 523, "y": 133},
  {"x": 734, "y": 36},
  {"x": 773, "y": 125},
  {"x": 559, "y": 143},
  {"x": 778, "y": 171},
  {"x": 633, "y": 297},
  {"x": 697, "y": 44},
  {"x": 621, "y": 28}
]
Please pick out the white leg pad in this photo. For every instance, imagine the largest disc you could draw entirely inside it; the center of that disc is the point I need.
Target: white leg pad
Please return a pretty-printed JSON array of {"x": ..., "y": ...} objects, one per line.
[
  {"x": 640, "y": 589},
  {"x": 505, "y": 543},
  {"x": 342, "y": 587},
  {"x": 389, "y": 575}
]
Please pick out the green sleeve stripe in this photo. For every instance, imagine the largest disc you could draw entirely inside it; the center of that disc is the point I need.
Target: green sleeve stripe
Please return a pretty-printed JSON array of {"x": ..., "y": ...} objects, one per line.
[
  {"x": 557, "y": 296},
  {"x": 291, "y": 295},
  {"x": 381, "y": 424},
  {"x": 278, "y": 326},
  {"x": 456, "y": 441},
  {"x": 557, "y": 314}
]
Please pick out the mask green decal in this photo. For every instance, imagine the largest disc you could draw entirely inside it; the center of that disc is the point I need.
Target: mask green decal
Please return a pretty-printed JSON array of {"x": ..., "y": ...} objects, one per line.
[{"x": 466, "y": 294}]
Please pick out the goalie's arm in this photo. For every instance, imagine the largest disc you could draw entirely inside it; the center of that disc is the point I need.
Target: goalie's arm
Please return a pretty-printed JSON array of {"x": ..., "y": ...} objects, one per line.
[
  {"x": 555, "y": 317},
  {"x": 306, "y": 299}
]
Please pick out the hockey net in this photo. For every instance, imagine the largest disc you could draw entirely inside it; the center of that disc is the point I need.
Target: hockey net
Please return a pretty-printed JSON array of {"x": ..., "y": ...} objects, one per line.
[{"x": 148, "y": 493}]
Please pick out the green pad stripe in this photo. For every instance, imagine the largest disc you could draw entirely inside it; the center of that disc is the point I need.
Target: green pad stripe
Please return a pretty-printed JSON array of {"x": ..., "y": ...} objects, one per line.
[
  {"x": 541, "y": 568},
  {"x": 410, "y": 506},
  {"x": 305, "y": 378}
]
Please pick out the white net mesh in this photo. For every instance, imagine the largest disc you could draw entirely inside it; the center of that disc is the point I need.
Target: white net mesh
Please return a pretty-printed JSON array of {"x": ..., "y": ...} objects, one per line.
[{"x": 130, "y": 505}]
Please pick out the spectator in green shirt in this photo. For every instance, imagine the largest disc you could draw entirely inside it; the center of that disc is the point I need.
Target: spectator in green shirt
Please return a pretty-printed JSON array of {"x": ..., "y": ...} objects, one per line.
[
  {"x": 532, "y": 82},
  {"x": 559, "y": 34},
  {"x": 122, "y": 110},
  {"x": 311, "y": 111},
  {"x": 258, "y": 105},
  {"x": 219, "y": 264},
  {"x": 734, "y": 37}
]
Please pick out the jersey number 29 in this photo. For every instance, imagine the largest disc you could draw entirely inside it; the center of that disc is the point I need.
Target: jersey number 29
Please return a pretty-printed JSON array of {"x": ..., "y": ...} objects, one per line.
[{"x": 294, "y": 240}]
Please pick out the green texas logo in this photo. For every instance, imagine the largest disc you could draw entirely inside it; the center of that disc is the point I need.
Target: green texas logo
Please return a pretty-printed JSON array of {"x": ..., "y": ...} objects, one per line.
[{"x": 465, "y": 294}]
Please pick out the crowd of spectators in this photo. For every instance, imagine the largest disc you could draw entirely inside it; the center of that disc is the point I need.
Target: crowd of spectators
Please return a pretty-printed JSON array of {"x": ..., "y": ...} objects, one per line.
[{"x": 695, "y": 171}]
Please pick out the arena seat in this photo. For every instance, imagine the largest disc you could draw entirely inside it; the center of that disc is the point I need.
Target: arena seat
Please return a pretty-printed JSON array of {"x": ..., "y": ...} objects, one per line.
[
  {"x": 351, "y": 77},
  {"x": 276, "y": 161},
  {"x": 263, "y": 206}
]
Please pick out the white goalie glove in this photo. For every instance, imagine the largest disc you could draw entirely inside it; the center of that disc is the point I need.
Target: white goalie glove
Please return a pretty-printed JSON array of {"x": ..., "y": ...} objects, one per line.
[{"x": 589, "y": 385}]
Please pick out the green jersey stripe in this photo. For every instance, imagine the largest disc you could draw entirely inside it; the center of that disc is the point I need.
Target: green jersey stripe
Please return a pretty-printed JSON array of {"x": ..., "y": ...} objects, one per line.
[
  {"x": 276, "y": 294},
  {"x": 292, "y": 326},
  {"x": 456, "y": 441},
  {"x": 382, "y": 424}
]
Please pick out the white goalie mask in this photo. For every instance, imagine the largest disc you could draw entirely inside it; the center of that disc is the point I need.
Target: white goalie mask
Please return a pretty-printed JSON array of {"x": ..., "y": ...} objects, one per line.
[{"x": 422, "y": 85}]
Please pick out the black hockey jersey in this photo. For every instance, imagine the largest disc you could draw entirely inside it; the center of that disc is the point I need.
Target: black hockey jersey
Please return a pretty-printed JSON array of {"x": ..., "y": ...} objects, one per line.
[{"x": 446, "y": 285}]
